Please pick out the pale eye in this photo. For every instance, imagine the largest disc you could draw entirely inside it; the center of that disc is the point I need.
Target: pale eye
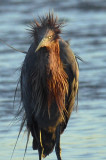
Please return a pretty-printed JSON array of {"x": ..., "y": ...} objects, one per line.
[{"x": 50, "y": 37}]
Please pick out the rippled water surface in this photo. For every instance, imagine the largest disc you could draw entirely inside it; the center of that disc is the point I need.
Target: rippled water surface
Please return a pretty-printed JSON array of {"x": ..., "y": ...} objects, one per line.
[{"x": 85, "y": 136}]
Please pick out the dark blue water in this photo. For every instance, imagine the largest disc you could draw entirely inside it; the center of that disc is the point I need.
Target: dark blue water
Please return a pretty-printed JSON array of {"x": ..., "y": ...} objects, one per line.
[{"x": 85, "y": 136}]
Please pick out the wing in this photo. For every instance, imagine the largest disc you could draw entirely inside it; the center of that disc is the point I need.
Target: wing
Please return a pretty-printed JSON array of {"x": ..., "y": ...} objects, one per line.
[
  {"x": 24, "y": 83},
  {"x": 71, "y": 67}
]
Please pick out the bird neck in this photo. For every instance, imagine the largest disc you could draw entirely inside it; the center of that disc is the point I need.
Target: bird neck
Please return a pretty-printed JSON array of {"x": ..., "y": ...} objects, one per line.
[
  {"x": 54, "y": 57},
  {"x": 57, "y": 79}
]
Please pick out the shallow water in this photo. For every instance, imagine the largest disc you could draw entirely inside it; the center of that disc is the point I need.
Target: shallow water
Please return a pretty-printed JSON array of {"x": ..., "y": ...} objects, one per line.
[{"x": 85, "y": 136}]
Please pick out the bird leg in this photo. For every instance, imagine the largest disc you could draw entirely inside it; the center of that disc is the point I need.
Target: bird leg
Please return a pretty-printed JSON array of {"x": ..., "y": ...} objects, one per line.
[
  {"x": 40, "y": 146},
  {"x": 39, "y": 143},
  {"x": 57, "y": 147}
]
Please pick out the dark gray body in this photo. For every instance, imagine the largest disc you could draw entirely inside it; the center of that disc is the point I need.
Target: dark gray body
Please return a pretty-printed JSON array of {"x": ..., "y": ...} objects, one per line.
[{"x": 34, "y": 93}]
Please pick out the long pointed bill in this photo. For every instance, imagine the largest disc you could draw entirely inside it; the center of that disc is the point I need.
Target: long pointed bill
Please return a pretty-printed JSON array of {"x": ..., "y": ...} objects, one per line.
[{"x": 41, "y": 44}]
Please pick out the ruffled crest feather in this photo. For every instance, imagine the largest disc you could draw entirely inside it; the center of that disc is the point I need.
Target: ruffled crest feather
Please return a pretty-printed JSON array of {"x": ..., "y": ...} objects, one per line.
[{"x": 49, "y": 21}]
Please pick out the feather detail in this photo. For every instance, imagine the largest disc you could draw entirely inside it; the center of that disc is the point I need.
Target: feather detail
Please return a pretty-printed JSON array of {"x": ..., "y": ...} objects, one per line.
[
  {"x": 57, "y": 81},
  {"x": 45, "y": 22}
]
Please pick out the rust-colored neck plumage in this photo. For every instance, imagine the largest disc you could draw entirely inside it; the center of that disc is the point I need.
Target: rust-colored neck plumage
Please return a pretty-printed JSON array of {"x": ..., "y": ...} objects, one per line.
[{"x": 57, "y": 79}]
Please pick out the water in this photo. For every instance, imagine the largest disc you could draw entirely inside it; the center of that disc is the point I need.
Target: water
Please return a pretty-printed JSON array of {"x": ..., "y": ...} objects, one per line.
[{"x": 85, "y": 136}]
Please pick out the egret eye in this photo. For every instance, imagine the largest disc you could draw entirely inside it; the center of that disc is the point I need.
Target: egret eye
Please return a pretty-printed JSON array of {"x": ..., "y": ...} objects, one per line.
[{"x": 50, "y": 37}]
